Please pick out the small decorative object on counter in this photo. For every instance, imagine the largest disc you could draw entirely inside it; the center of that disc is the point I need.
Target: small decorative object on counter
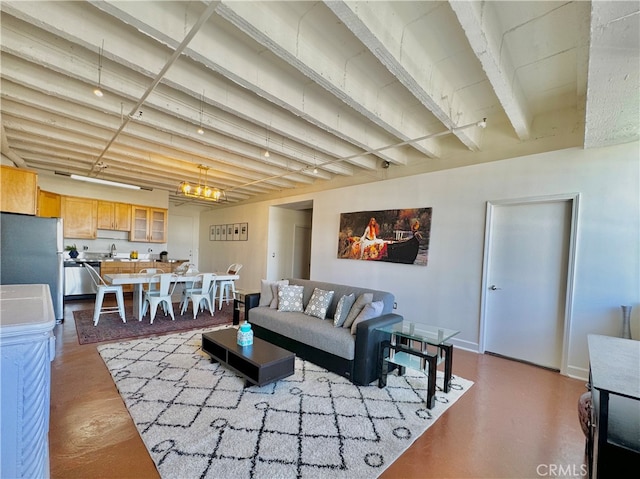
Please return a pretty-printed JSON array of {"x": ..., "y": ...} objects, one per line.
[
  {"x": 133, "y": 255},
  {"x": 73, "y": 250},
  {"x": 245, "y": 335}
]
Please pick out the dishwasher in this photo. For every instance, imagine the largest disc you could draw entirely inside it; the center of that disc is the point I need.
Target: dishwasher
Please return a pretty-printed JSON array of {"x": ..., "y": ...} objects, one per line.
[{"x": 77, "y": 281}]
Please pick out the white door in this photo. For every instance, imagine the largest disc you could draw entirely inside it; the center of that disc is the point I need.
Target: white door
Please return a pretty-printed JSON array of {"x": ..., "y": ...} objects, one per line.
[
  {"x": 526, "y": 281},
  {"x": 180, "y": 239}
]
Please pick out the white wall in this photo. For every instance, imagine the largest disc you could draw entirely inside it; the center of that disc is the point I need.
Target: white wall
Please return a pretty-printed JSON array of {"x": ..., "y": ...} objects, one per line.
[{"x": 447, "y": 291}]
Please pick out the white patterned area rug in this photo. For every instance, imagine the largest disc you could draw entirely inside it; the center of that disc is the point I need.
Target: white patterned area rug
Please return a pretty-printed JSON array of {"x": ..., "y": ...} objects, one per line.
[{"x": 199, "y": 421}]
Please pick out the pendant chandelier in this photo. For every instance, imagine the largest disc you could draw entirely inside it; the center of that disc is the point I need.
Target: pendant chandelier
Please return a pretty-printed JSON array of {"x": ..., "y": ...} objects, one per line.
[{"x": 201, "y": 191}]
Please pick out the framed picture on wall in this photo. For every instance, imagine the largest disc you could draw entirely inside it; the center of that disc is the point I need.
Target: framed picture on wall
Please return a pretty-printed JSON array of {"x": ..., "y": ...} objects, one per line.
[
  {"x": 229, "y": 232},
  {"x": 212, "y": 233},
  {"x": 223, "y": 232},
  {"x": 236, "y": 232},
  {"x": 217, "y": 232},
  {"x": 244, "y": 231}
]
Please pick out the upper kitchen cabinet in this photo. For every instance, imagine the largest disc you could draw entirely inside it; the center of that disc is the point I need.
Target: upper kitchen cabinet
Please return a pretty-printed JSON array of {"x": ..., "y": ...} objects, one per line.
[
  {"x": 19, "y": 192},
  {"x": 49, "y": 204},
  {"x": 148, "y": 224},
  {"x": 114, "y": 216},
  {"x": 80, "y": 216}
]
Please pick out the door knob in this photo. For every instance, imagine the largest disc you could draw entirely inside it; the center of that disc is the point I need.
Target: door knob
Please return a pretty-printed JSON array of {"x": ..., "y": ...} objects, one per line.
[{"x": 493, "y": 287}]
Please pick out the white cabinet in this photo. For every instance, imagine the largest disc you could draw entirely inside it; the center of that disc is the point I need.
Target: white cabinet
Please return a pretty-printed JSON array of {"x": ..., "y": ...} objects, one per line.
[{"x": 27, "y": 347}]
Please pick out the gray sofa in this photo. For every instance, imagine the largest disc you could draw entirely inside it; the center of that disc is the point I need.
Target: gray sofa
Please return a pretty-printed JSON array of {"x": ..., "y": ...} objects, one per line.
[{"x": 334, "y": 348}]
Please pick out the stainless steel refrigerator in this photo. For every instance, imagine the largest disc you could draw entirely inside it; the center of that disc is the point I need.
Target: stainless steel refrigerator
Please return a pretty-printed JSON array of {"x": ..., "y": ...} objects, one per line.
[{"x": 31, "y": 252}]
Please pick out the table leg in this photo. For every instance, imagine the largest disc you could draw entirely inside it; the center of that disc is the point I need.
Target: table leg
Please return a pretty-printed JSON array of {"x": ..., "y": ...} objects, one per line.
[
  {"x": 137, "y": 301},
  {"x": 447, "y": 350},
  {"x": 431, "y": 378},
  {"x": 383, "y": 365}
]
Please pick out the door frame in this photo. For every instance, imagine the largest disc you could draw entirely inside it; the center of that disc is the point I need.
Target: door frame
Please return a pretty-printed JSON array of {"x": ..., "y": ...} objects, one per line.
[{"x": 574, "y": 198}]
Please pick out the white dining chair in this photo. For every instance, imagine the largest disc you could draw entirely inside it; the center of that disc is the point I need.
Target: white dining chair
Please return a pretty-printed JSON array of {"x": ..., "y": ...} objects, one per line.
[
  {"x": 101, "y": 288},
  {"x": 228, "y": 286},
  {"x": 162, "y": 295},
  {"x": 150, "y": 287},
  {"x": 198, "y": 295}
]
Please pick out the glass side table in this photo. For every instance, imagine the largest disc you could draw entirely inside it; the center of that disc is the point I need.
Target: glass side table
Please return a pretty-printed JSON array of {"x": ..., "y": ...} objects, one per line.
[{"x": 408, "y": 347}]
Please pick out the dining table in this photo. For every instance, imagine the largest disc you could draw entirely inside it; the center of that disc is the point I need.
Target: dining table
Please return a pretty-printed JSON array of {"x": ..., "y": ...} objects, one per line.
[{"x": 140, "y": 279}]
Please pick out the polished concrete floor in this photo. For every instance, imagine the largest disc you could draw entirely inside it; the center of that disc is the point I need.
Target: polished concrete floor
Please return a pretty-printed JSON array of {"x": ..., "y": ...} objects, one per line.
[{"x": 517, "y": 421}]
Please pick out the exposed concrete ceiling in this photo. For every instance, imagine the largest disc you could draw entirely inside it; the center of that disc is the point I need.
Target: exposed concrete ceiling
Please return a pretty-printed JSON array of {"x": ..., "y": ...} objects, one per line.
[{"x": 337, "y": 92}]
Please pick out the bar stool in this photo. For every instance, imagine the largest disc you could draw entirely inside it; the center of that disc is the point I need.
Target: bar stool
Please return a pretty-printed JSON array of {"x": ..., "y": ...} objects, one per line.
[{"x": 101, "y": 288}]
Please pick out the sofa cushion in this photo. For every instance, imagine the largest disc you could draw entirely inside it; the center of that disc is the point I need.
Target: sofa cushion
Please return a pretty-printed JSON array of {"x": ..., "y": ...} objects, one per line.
[
  {"x": 370, "y": 311},
  {"x": 319, "y": 303},
  {"x": 342, "y": 309},
  {"x": 290, "y": 298},
  {"x": 307, "y": 330},
  {"x": 363, "y": 299}
]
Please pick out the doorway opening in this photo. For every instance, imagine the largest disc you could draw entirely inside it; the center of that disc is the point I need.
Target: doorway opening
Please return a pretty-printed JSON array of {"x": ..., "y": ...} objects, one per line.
[{"x": 289, "y": 248}]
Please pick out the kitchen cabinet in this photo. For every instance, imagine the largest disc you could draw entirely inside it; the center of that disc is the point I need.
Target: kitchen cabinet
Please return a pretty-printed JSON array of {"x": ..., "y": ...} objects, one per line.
[
  {"x": 114, "y": 216},
  {"x": 148, "y": 224},
  {"x": 19, "y": 190},
  {"x": 80, "y": 215},
  {"x": 49, "y": 204}
]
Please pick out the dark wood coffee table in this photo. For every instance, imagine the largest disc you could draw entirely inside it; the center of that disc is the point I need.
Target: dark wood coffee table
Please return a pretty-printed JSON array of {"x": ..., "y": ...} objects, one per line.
[{"x": 261, "y": 363}]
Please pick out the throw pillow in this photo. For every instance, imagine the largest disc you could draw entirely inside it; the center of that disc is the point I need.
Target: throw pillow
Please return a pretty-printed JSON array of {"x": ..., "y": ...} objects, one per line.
[
  {"x": 364, "y": 298},
  {"x": 342, "y": 309},
  {"x": 370, "y": 311},
  {"x": 319, "y": 303},
  {"x": 274, "y": 291},
  {"x": 266, "y": 295},
  {"x": 267, "y": 292},
  {"x": 290, "y": 298}
]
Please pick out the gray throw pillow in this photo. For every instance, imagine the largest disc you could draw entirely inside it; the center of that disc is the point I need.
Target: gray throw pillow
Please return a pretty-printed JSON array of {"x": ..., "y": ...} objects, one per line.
[
  {"x": 290, "y": 298},
  {"x": 370, "y": 311},
  {"x": 274, "y": 292},
  {"x": 342, "y": 309},
  {"x": 319, "y": 303},
  {"x": 364, "y": 298},
  {"x": 266, "y": 294}
]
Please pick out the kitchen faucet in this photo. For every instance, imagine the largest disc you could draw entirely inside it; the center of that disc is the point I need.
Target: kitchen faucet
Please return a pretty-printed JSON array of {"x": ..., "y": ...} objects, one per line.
[{"x": 113, "y": 250}]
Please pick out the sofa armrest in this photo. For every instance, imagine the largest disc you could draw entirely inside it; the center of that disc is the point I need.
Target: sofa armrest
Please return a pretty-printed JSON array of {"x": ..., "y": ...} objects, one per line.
[
  {"x": 368, "y": 344},
  {"x": 251, "y": 300}
]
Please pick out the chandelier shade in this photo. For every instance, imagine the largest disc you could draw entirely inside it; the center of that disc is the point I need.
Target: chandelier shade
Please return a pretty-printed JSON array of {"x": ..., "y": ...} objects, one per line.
[{"x": 201, "y": 190}]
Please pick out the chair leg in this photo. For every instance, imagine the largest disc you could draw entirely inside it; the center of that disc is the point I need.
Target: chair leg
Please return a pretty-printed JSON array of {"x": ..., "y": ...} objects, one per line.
[
  {"x": 120, "y": 301},
  {"x": 153, "y": 311},
  {"x": 170, "y": 307},
  {"x": 98, "y": 306}
]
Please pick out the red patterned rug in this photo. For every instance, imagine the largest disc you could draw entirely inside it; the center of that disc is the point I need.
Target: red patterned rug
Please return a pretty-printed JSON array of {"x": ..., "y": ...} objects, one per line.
[{"x": 111, "y": 328}]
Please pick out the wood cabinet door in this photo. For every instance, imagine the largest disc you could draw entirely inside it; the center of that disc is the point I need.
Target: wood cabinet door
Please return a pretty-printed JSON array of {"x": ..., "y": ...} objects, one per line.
[
  {"x": 80, "y": 217},
  {"x": 158, "y": 225},
  {"x": 139, "y": 224},
  {"x": 122, "y": 217},
  {"x": 106, "y": 214},
  {"x": 19, "y": 190},
  {"x": 49, "y": 204}
]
